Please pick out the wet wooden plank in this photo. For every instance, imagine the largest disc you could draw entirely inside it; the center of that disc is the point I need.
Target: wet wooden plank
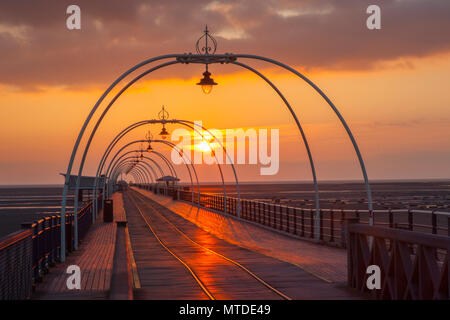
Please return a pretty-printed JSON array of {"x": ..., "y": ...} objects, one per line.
[
  {"x": 95, "y": 259},
  {"x": 223, "y": 279}
]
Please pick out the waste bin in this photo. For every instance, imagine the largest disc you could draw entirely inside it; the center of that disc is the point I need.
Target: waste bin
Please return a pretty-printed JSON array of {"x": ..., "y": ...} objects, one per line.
[{"x": 108, "y": 211}]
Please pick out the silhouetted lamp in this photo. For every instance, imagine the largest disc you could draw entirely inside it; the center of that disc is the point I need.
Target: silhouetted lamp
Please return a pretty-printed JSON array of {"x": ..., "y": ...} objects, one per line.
[
  {"x": 149, "y": 138},
  {"x": 207, "y": 82},
  {"x": 164, "y": 133}
]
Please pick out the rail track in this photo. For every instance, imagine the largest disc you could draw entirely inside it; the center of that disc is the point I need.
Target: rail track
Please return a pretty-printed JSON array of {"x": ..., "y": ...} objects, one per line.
[{"x": 155, "y": 221}]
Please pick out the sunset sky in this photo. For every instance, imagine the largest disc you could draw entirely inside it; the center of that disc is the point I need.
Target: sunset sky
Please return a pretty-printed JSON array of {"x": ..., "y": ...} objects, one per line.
[{"x": 391, "y": 85}]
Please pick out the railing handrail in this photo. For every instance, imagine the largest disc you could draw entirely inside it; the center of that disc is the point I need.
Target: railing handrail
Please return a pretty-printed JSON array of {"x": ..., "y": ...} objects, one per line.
[
  {"x": 426, "y": 239},
  {"x": 14, "y": 237},
  {"x": 404, "y": 210}
]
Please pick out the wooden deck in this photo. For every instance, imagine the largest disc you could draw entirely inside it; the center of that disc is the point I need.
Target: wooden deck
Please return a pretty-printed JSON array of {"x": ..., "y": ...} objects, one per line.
[
  {"x": 162, "y": 276},
  {"x": 173, "y": 258},
  {"x": 95, "y": 259},
  {"x": 326, "y": 262}
]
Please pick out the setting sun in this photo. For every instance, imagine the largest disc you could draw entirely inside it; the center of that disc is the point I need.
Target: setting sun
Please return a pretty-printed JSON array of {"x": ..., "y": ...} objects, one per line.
[{"x": 203, "y": 146}]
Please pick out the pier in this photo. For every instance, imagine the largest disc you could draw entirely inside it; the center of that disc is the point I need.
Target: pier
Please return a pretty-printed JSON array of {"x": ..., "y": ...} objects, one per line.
[
  {"x": 161, "y": 247},
  {"x": 150, "y": 236}
]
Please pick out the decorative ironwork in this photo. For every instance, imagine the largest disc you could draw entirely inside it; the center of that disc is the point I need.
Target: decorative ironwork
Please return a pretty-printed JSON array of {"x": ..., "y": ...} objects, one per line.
[
  {"x": 210, "y": 45},
  {"x": 149, "y": 138},
  {"x": 163, "y": 114}
]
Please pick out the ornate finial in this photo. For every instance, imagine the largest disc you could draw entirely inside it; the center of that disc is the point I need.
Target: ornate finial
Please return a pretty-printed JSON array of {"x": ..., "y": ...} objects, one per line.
[
  {"x": 206, "y": 49},
  {"x": 148, "y": 136},
  {"x": 163, "y": 114}
]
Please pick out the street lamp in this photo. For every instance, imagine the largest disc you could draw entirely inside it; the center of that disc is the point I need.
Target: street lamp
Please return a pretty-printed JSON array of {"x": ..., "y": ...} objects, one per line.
[
  {"x": 164, "y": 133},
  {"x": 149, "y": 138},
  {"x": 142, "y": 155},
  {"x": 208, "y": 48},
  {"x": 207, "y": 82},
  {"x": 163, "y": 115}
]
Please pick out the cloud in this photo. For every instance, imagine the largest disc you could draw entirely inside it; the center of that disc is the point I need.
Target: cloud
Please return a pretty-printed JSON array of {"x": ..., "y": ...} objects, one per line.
[{"x": 36, "y": 49}]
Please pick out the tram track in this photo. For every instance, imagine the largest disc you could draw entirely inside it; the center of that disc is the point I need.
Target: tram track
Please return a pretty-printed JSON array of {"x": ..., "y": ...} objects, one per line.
[{"x": 143, "y": 204}]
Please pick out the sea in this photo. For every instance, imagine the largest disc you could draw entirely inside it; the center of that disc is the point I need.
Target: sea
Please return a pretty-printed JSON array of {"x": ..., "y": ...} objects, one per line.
[{"x": 19, "y": 204}]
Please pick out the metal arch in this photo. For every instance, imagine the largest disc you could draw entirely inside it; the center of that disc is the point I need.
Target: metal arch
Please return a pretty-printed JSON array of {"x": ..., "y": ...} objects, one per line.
[
  {"x": 132, "y": 170},
  {"x": 119, "y": 162},
  {"x": 186, "y": 123},
  {"x": 162, "y": 156},
  {"x": 203, "y": 59},
  {"x": 94, "y": 130},
  {"x": 158, "y": 141},
  {"x": 135, "y": 172},
  {"x": 137, "y": 176},
  {"x": 132, "y": 173},
  {"x": 77, "y": 143},
  {"x": 238, "y": 207},
  {"x": 183, "y": 122},
  {"x": 134, "y": 176},
  {"x": 338, "y": 114},
  {"x": 305, "y": 141},
  {"x": 192, "y": 166},
  {"x": 156, "y": 164},
  {"x": 153, "y": 176},
  {"x": 121, "y": 159},
  {"x": 187, "y": 167},
  {"x": 129, "y": 165},
  {"x": 168, "y": 163}
]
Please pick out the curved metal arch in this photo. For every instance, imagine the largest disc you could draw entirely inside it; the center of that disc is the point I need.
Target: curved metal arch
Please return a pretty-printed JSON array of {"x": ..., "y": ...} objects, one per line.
[
  {"x": 138, "y": 173},
  {"x": 157, "y": 141},
  {"x": 162, "y": 156},
  {"x": 77, "y": 143},
  {"x": 117, "y": 165},
  {"x": 148, "y": 158},
  {"x": 126, "y": 160},
  {"x": 204, "y": 59},
  {"x": 153, "y": 176},
  {"x": 338, "y": 114},
  {"x": 305, "y": 142},
  {"x": 172, "y": 145},
  {"x": 136, "y": 177},
  {"x": 122, "y": 159},
  {"x": 129, "y": 164},
  {"x": 186, "y": 123},
  {"x": 168, "y": 163},
  {"x": 142, "y": 181},
  {"x": 187, "y": 168}
]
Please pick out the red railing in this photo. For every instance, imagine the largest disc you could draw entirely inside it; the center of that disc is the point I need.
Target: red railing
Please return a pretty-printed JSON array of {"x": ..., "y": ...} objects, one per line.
[
  {"x": 412, "y": 265},
  {"x": 300, "y": 221},
  {"x": 27, "y": 255}
]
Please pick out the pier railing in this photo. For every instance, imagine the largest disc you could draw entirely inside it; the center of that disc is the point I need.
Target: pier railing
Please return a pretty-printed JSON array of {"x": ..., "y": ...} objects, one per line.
[
  {"x": 300, "y": 221},
  {"x": 27, "y": 255},
  {"x": 413, "y": 265}
]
